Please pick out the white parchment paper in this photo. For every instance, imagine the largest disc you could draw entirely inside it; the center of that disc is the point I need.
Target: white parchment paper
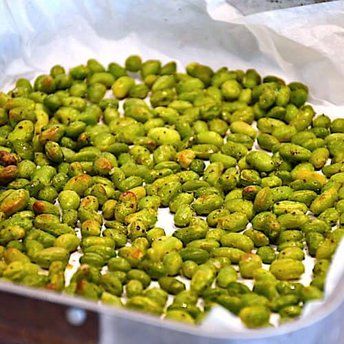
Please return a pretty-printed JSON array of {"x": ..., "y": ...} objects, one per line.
[{"x": 304, "y": 43}]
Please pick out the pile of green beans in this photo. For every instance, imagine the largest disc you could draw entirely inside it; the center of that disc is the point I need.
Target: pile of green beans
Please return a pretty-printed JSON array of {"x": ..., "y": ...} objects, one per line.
[{"x": 84, "y": 171}]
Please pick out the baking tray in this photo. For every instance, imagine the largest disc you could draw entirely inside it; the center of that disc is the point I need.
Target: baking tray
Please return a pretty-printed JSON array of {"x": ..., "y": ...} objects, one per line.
[{"x": 36, "y": 34}]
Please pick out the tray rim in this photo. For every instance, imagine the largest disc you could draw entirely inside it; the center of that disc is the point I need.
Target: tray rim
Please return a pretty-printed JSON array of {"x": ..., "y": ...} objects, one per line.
[{"x": 333, "y": 302}]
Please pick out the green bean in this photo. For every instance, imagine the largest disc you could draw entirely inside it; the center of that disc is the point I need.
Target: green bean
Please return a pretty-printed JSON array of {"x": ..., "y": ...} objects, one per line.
[
  {"x": 255, "y": 316},
  {"x": 225, "y": 276},
  {"x": 202, "y": 278},
  {"x": 133, "y": 63},
  {"x": 248, "y": 264},
  {"x": 237, "y": 240},
  {"x": 260, "y": 161},
  {"x": 287, "y": 269}
]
